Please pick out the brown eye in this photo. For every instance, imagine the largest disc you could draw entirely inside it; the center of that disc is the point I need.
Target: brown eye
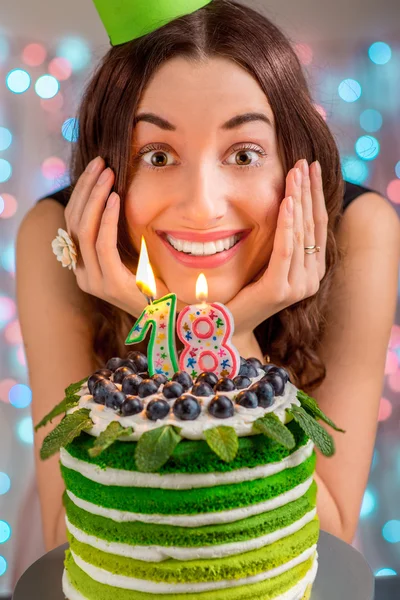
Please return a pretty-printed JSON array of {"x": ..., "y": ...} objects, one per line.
[
  {"x": 244, "y": 158},
  {"x": 159, "y": 159}
]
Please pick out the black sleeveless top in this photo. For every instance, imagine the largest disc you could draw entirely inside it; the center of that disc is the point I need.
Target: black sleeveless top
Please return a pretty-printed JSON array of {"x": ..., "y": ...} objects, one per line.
[{"x": 352, "y": 191}]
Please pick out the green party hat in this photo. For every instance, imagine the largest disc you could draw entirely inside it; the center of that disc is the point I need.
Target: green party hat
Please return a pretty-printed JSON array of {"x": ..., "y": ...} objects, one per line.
[{"x": 126, "y": 20}]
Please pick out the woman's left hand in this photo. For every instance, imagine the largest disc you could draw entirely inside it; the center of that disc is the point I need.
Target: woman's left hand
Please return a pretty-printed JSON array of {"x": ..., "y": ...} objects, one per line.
[{"x": 291, "y": 275}]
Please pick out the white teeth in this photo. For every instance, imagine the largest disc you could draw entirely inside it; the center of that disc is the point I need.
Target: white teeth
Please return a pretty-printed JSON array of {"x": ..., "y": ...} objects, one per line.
[{"x": 200, "y": 249}]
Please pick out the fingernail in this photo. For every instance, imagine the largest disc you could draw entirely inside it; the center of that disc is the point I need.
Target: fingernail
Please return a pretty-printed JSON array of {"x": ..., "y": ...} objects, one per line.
[
  {"x": 318, "y": 167},
  {"x": 93, "y": 165},
  {"x": 104, "y": 176},
  {"x": 112, "y": 200},
  {"x": 304, "y": 167},
  {"x": 297, "y": 176}
]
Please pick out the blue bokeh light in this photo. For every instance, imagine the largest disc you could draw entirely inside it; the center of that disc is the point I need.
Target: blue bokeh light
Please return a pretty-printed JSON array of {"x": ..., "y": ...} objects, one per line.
[
  {"x": 368, "y": 504},
  {"x": 397, "y": 169},
  {"x": 380, "y": 53},
  {"x": 5, "y": 483},
  {"x": 18, "y": 81},
  {"x": 4, "y": 49},
  {"x": 7, "y": 258},
  {"x": 386, "y": 572},
  {"x": 5, "y": 170},
  {"x": 20, "y": 395},
  {"x": 5, "y": 532},
  {"x": 70, "y": 130},
  {"x": 349, "y": 90},
  {"x": 367, "y": 147},
  {"x": 47, "y": 86},
  {"x": 25, "y": 430},
  {"x": 3, "y": 565},
  {"x": 391, "y": 531},
  {"x": 354, "y": 170},
  {"x": 5, "y": 138},
  {"x": 371, "y": 120},
  {"x": 76, "y": 51}
]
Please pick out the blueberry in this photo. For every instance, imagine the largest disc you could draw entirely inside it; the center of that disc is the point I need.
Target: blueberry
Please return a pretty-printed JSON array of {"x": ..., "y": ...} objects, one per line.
[
  {"x": 247, "y": 398},
  {"x": 132, "y": 406},
  {"x": 147, "y": 388},
  {"x": 224, "y": 385},
  {"x": 94, "y": 378},
  {"x": 184, "y": 379},
  {"x": 265, "y": 393},
  {"x": 127, "y": 362},
  {"x": 276, "y": 381},
  {"x": 159, "y": 378},
  {"x": 121, "y": 373},
  {"x": 202, "y": 389},
  {"x": 221, "y": 407},
  {"x": 115, "y": 399},
  {"x": 248, "y": 370},
  {"x": 130, "y": 384},
  {"x": 139, "y": 359},
  {"x": 255, "y": 362},
  {"x": 144, "y": 374},
  {"x": 106, "y": 372},
  {"x": 114, "y": 363},
  {"x": 186, "y": 408},
  {"x": 157, "y": 409},
  {"x": 268, "y": 367},
  {"x": 281, "y": 371},
  {"x": 208, "y": 377},
  {"x": 241, "y": 382},
  {"x": 172, "y": 390},
  {"x": 101, "y": 388}
]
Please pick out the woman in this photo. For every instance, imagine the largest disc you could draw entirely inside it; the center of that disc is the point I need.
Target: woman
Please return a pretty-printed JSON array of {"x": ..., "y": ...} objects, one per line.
[{"x": 164, "y": 114}]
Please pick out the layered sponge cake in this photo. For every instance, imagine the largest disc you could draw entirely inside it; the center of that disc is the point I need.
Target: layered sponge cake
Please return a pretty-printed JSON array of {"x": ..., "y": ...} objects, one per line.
[{"x": 213, "y": 499}]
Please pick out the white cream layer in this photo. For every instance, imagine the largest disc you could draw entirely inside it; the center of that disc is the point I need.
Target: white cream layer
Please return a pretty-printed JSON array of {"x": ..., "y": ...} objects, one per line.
[
  {"x": 160, "y": 553},
  {"x": 210, "y": 518},
  {"x": 295, "y": 593},
  {"x": 153, "y": 587},
  {"x": 182, "y": 481},
  {"x": 242, "y": 421}
]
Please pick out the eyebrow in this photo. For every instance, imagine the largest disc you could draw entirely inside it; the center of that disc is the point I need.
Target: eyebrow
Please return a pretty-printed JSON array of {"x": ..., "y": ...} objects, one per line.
[{"x": 228, "y": 125}]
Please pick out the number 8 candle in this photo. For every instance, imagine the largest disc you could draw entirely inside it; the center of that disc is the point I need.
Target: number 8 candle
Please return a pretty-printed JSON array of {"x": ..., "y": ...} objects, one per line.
[
  {"x": 206, "y": 332},
  {"x": 160, "y": 316}
]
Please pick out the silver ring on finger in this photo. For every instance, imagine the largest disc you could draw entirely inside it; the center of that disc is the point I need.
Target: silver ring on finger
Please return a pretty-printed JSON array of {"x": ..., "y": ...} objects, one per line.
[{"x": 312, "y": 249}]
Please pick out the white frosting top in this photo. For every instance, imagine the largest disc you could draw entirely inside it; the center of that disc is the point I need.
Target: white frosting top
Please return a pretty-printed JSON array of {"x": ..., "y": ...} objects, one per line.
[{"x": 242, "y": 420}]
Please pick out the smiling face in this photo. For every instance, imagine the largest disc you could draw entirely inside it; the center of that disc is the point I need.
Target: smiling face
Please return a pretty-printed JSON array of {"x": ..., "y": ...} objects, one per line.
[{"x": 206, "y": 186}]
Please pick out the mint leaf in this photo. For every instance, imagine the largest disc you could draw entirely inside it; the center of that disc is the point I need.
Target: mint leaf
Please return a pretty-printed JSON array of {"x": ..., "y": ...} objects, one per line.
[
  {"x": 313, "y": 429},
  {"x": 155, "y": 447},
  {"x": 62, "y": 407},
  {"x": 108, "y": 437},
  {"x": 223, "y": 441},
  {"x": 311, "y": 406},
  {"x": 73, "y": 388},
  {"x": 68, "y": 429},
  {"x": 272, "y": 427}
]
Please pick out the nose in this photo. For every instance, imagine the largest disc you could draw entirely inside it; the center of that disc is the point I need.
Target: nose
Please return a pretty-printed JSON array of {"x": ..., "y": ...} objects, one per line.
[{"x": 203, "y": 202}]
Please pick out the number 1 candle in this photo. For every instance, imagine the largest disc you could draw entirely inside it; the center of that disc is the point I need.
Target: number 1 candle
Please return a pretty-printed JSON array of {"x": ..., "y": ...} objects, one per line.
[
  {"x": 206, "y": 332},
  {"x": 159, "y": 316}
]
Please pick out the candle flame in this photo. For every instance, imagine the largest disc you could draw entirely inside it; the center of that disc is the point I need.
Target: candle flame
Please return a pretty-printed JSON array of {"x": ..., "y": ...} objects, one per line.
[
  {"x": 201, "y": 288},
  {"x": 144, "y": 275}
]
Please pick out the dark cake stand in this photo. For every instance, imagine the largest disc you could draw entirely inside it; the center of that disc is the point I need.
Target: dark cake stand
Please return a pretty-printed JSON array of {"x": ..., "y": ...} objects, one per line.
[{"x": 342, "y": 573}]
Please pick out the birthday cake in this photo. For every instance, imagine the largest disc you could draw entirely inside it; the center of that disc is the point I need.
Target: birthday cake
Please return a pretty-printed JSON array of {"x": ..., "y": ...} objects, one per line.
[{"x": 188, "y": 487}]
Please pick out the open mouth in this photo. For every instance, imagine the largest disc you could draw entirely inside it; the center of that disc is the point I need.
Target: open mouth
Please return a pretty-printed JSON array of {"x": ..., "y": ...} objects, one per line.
[{"x": 206, "y": 248}]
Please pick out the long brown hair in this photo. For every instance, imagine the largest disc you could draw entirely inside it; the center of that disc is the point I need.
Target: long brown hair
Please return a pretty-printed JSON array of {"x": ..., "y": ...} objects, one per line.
[{"x": 106, "y": 116}]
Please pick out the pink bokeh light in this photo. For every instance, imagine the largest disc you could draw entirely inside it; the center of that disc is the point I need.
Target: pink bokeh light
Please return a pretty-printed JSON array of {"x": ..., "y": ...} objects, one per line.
[
  {"x": 12, "y": 333},
  {"x": 392, "y": 362},
  {"x": 53, "y": 167},
  {"x": 52, "y": 105},
  {"x": 393, "y": 381},
  {"x": 60, "y": 68},
  {"x": 385, "y": 409},
  {"x": 8, "y": 309},
  {"x": 5, "y": 387},
  {"x": 21, "y": 356},
  {"x": 34, "y": 55},
  {"x": 10, "y": 206},
  {"x": 304, "y": 53},
  {"x": 393, "y": 191}
]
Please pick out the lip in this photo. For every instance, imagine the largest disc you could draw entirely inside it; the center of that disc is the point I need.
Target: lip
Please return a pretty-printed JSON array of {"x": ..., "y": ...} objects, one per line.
[{"x": 204, "y": 262}]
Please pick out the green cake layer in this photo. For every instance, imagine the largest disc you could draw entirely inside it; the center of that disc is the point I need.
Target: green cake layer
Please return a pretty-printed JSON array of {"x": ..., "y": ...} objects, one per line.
[
  {"x": 191, "y": 456},
  {"x": 215, "y": 569},
  {"x": 192, "y": 501},
  {"x": 148, "y": 534},
  {"x": 265, "y": 590}
]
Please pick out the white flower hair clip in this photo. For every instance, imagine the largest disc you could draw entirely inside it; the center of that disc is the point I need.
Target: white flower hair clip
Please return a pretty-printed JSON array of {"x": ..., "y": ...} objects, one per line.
[{"x": 65, "y": 250}]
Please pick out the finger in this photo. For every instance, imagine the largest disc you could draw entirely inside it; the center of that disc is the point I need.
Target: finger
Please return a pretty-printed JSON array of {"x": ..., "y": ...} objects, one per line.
[
  {"x": 89, "y": 226},
  {"x": 296, "y": 272},
  {"x": 320, "y": 216},
  {"x": 281, "y": 256},
  {"x": 310, "y": 261},
  {"x": 81, "y": 193},
  {"x": 106, "y": 245}
]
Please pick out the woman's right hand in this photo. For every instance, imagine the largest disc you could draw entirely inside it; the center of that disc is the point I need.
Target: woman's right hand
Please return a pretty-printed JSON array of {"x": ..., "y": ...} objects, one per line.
[{"x": 92, "y": 222}]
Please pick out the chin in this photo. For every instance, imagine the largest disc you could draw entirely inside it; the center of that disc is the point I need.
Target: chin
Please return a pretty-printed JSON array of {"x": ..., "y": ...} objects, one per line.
[{"x": 222, "y": 291}]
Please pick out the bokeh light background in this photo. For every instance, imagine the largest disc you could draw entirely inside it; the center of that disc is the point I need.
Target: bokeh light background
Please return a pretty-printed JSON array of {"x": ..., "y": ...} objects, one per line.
[{"x": 355, "y": 86}]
